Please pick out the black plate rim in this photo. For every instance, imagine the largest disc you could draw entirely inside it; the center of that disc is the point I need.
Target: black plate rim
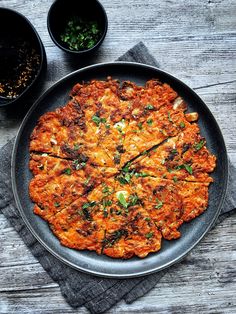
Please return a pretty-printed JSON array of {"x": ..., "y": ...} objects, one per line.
[{"x": 62, "y": 259}]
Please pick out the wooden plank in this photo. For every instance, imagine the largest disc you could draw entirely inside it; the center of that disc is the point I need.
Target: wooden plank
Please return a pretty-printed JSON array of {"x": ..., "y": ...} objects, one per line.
[{"x": 37, "y": 301}]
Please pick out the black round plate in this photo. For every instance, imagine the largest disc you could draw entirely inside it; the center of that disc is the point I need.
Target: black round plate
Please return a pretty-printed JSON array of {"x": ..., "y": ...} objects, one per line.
[{"x": 171, "y": 251}]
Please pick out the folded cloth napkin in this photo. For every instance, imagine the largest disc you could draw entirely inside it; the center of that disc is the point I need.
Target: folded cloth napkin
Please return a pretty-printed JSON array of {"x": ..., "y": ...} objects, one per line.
[{"x": 96, "y": 294}]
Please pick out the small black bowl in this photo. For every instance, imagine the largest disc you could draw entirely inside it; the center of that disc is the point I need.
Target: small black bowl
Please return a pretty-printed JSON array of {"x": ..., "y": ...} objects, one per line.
[
  {"x": 61, "y": 11},
  {"x": 16, "y": 34}
]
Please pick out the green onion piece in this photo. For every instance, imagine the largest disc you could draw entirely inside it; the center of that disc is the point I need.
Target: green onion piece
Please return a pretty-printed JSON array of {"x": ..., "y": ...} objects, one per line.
[
  {"x": 149, "y": 235},
  {"x": 86, "y": 182},
  {"x": 198, "y": 146},
  {"x": 96, "y": 120},
  {"x": 87, "y": 205},
  {"x": 188, "y": 168},
  {"x": 106, "y": 190},
  {"x": 121, "y": 179},
  {"x": 175, "y": 179},
  {"x": 140, "y": 125},
  {"x": 103, "y": 120},
  {"x": 105, "y": 213},
  {"x": 126, "y": 168},
  {"x": 159, "y": 205},
  {"x": 122, "y": 200},
  {"x": 141, "y": 174},
  {"x": 67, "y": 171},
  {"x": 127, "y": 177},
  {"x": 106, "y": 203},
  {"x": 133, "y": 200},
  {"x": 169, "y": 117},
  {"x": 149, "y": 107}
]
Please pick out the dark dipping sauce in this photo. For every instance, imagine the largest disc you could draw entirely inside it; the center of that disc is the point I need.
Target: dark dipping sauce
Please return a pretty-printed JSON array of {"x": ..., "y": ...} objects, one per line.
[
  {"x": 22, "y": 57},
  {"x": 19, "y": 65}
]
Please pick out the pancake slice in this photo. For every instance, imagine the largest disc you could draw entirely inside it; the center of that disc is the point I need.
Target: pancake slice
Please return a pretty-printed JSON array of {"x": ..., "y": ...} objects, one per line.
[
  {"x": 66, "y": 133},
  {"x": 183, "y": 157},
  {"x": 79, "y": 226},
  {"x": 171, "y": 203},
  {"x": 138, "y": 236},
  {"x": 59, "y": 182},
  {"x": 152, "y": 129},
  {"x": 128, "y": 228}
]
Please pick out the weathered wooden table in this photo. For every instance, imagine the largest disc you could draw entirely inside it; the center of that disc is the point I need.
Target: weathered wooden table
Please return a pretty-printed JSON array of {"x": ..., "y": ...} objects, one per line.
[{"x": 196, "y": 41}]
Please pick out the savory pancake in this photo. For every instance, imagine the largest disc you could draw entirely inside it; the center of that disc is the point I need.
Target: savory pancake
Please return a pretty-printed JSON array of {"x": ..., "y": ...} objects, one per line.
[{"x": 119, "y": 167}]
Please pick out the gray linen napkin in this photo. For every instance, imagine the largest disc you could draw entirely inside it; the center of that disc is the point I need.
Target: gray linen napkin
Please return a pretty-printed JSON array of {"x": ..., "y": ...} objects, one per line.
[{"x": 96, "y": 294}]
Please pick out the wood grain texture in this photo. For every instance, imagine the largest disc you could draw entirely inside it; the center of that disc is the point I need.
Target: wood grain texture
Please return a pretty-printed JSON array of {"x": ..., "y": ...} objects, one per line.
[{"x": 195, "y": 41}]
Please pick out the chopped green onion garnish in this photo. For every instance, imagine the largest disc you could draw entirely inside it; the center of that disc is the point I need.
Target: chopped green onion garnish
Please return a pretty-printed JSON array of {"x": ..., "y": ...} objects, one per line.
[
  {"x": 67, "y": 171},
  {"x": 198, "y": 146},
  {"x": 159, "y": 205},
  {"x": 122, "y": 200},
  {"x": 175, "y": 179},
  {"x": 140, "y": 125},
  {"x": 87, "y": 205},
  {"x": 169, "y": 117},
  {"x": 149, "y": 235},
  {"x": 149, "y": 107},
  {"x": 96, "y": 120}
]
